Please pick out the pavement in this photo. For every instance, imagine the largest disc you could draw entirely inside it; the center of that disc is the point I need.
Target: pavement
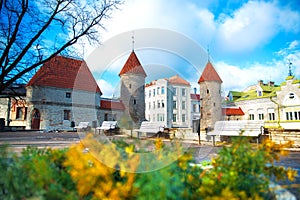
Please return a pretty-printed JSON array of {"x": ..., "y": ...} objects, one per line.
[{"x": 203, "y": 152}]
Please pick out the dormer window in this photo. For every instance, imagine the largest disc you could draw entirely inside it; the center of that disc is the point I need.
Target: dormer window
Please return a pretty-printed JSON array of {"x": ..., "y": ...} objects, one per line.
[
  {"x": 259, "y": 93},
  {"x": 291, "y": 95}
]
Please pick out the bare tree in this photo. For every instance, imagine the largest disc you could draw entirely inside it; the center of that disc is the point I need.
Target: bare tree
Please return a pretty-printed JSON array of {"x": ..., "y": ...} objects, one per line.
[{"x": 34, "y": 31}]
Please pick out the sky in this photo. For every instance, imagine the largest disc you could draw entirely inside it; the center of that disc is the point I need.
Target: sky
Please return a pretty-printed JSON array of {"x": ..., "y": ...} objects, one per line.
[{"x": 246, "y": 41}]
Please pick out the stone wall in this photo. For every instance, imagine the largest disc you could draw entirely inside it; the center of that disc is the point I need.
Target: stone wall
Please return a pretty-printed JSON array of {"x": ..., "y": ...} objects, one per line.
[
  {"x": 282, "y": 136},
  {"x": 211, "y": 109},
  {"x": 52, "y": 104},
  {"x": 133, "y": 96}
]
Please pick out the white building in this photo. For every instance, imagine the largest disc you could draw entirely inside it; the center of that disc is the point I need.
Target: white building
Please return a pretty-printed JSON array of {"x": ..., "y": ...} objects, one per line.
[
  {"x": 195, "y": 110},
  {"x": 168, "y": 100}
]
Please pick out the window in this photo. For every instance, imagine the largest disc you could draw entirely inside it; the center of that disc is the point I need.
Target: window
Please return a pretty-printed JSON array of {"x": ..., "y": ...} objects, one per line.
[
  {"x": 158, "y": 103},
  {"x": 174, "y": 117},
  {"x": 149, "y": 105},
  {"x": 297, "y": 115},
  {"x": 160, "y": 117},
  {"x": 67, "y": 114},
  {"x": 174, "y": 105},
  {"x": 19, "y": 113},
  {"x": 162, "y": 104},
  {"x": 134, "y": 101},
  {"x": 149, "y": 93},
  {"x": 271, "y": 114},
  {"x": 158, "y": 90},
  {"x": 154, "y": 92},
  {"x": 154, "y": 117},
  {"x": 153, "y": 104},
  {"x": 106, "y": 117},
  {"x": 251, "y": 114},
  {"x": 289, "y": 115},
  {"x": 194, "y": 107},
  {"x": 174, "y": 91},
  {"x": 162, "y": 90},
  {"x": 183, "y": 92},
  {"x": 207, "y": 91},
  {"x": 259, "y": 93},
  {"x": 68, "y": 95},
  {"x": 260, "y": 114},
  {"x": 183, "y": 105},
  {"x": 291, "y": 95},
  {"x": 183, "y": 117},
  {"x": 130, "y": 86}
]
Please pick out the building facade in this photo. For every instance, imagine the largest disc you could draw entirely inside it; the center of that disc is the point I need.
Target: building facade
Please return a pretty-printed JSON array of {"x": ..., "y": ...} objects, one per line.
[
  {"x": 277, "y": 105},
  {"x": 168, "y": 100},
  {"x": 62, "y": 91}
]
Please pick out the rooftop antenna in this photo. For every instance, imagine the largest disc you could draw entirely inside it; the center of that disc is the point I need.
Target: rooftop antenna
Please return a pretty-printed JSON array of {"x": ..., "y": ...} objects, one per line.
[
  {"x": 132, "y": 37},
  {"x": 290, "y": 68},
  {"x": 208, "y": 53}
]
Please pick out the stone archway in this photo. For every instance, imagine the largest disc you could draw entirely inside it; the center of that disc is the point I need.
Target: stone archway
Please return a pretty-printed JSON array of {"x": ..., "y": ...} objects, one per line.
[{"x": 35, "y": 119}]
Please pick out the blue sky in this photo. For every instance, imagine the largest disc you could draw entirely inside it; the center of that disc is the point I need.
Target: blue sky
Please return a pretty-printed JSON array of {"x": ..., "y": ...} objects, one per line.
[{"x": 248, "y": 40}]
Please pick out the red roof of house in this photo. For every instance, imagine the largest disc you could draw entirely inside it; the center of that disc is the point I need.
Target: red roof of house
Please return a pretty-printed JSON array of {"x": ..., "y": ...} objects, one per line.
[
  {"x": 209, "y": 74},
  {"x": 232, "y": 111},
  {"x": 178, "y": 80},
  {"x": 195, "y": 97},
  {"x": 132, "y": 65},
  {"x": 111, "y": 105},
  {"x": 64, "y": 72}
]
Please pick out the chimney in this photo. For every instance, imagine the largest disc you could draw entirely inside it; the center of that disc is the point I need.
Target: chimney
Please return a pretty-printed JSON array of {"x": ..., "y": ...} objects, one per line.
[{"x": 271, "y": 83}]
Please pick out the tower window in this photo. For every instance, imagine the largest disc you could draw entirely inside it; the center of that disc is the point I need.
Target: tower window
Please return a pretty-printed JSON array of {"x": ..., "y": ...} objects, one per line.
[
  {"x": 207, "y": 91},
  {"x": 67, "y": 114},
  {"x": 68, "y": 95},
  {"x": 134, "y": 101},
  {"x": 130, "y": 86}
]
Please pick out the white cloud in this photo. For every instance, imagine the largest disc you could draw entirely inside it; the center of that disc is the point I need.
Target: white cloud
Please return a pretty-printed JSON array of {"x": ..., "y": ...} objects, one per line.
[
  {"x": 238, "y": 78},
  {"x": 254, "y": 25},
  {"x": 107, "y": 88}
]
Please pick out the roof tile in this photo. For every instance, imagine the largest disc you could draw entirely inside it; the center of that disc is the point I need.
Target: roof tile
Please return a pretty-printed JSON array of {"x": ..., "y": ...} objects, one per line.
[
  {"x": 132, "y": 65},
  {"x": 111, "y": 105},
  {"x": 232, "y": 111},
  {"x": 209, "y": 74},
  {"x": 178, "y": 80},
  {"x": 65, "y": 72}
]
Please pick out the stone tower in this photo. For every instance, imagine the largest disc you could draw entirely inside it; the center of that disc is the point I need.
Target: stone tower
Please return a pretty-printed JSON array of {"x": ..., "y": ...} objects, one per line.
[
  {"x": 132, "y": 91},
  {"x": 210, "y": 94}
]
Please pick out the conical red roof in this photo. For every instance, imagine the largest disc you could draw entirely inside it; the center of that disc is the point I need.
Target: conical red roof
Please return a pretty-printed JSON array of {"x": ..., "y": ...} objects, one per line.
[
  {"x": 132, "y": 65},
  {"x": 65, "y": 72},
  {"x": 209, "y": 74}
]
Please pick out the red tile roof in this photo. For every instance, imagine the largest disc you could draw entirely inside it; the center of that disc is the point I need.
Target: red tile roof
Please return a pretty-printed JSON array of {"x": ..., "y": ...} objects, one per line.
[
  {"x": 132, "y": 65},
  {"x": 232, "y": 111},
  {"x": 111, "y": 105},
  {"x": 178, "y": 80},
  {"x": 65, "y": 72},
  {"x": 195, "y": 97},
  {"x": 209, "y": 74}
]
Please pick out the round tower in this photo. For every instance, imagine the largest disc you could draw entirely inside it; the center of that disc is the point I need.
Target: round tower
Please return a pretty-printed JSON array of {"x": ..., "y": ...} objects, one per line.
[
  {"x": 132, "y": 91},
  {"x": 210, "y": 94}
]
